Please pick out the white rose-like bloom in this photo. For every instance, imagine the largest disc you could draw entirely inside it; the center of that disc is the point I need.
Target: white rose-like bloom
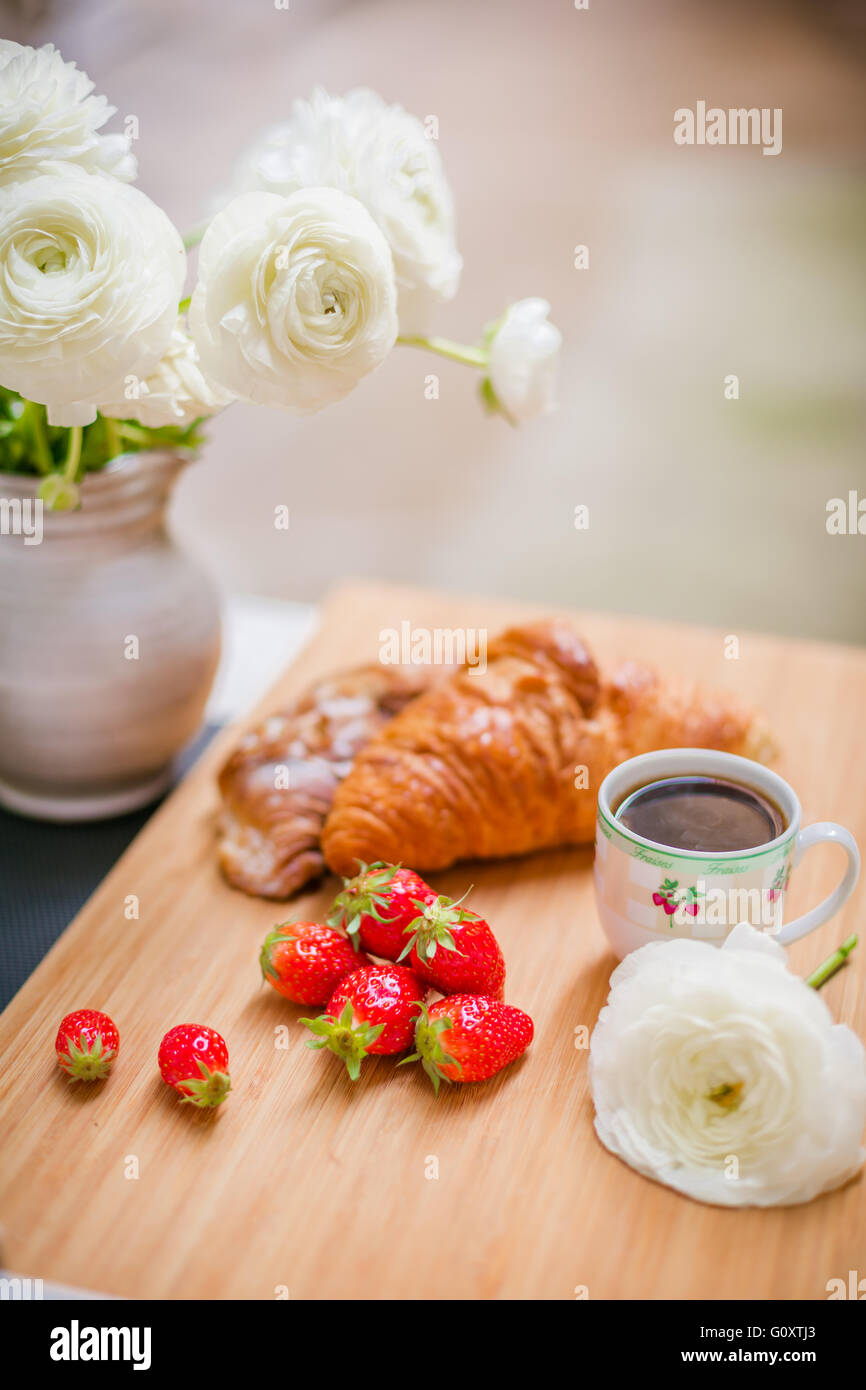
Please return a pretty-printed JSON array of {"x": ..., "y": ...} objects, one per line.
[
  {"x": 295, "y": 299},
  {"x": 48, "y": 112},
  {"x": 382, "y": 156},
  {"x": 523, "y": 361},
  {"x": 91, "y": 272},
  {"x": 705, "y": 1054},
  {"x": 176, "y": 392}
]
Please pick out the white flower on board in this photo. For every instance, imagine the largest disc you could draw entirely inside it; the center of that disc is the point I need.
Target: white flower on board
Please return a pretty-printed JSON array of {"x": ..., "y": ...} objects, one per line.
[{"x": 720, "y": 1073}]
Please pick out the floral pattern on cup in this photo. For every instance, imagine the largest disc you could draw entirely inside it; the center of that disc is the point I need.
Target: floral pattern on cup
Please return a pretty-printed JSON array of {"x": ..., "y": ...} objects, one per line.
[
  {"x": 669, "y": 896},
  {"x": 780, "y": 882}
]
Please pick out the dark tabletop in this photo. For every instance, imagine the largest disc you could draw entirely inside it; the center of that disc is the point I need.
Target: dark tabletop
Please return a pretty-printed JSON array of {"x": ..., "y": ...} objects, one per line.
[{"x": 47, "y": 872}]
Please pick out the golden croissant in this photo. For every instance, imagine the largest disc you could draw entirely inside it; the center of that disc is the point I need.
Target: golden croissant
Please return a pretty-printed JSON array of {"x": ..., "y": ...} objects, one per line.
[{"x": 490, "y": 763}]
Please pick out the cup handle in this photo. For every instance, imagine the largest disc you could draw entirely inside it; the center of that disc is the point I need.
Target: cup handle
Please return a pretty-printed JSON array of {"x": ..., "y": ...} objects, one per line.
[{"x": 815, "y": 835}]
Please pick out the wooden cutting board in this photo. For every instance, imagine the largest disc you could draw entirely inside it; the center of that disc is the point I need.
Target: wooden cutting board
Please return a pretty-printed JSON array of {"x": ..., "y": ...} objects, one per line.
[{"x": 306, "y": 1185}]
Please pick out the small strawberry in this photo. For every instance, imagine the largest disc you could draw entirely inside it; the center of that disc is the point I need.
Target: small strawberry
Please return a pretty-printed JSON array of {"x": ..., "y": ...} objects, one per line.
[
  {"x": 658, "y": 899},
  {"x": 469, "y": 1038},
  {"x": 195, "y": 1061},
  {"x": 372, "y": 1011},
  {"x": 454, "y": 951},
  {"x": 86, "y": 1045},
  {"x": 305, "y": 961},
  {"x": 690, "y": 901},
  {"x": 669, "y": 906},
  {"x": 377, "y": 905}
]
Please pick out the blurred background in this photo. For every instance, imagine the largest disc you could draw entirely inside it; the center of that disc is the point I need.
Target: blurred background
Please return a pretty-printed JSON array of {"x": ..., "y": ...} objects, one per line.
[{"x": 556, "y": 129}]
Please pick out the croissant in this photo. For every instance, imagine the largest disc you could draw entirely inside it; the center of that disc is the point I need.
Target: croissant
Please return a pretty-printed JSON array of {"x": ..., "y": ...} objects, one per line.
[
  {"x": 278, "y": 784},
  {"x": 486, "y": 764}
]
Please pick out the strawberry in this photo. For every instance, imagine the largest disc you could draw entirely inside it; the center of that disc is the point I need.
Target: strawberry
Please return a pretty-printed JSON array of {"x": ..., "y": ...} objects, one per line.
[
  {"x": 377, "y": 905},
  {"x": 469, "y": 1037},
  {"x": 372, "y": 1011},
  {"x": 195, "y": 1061},
  {"x": 305, "y": 961},
  {"x": 86, "y": 1045},
  {"x": 454, "y": 951}
]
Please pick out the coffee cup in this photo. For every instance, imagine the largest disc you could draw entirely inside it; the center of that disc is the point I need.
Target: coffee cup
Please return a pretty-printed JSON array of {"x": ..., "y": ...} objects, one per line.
[{"x": 649, "y": 891}]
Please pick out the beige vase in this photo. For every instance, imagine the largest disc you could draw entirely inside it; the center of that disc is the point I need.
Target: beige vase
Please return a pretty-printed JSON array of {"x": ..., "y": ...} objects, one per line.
[{"x": 109, "y": 642}]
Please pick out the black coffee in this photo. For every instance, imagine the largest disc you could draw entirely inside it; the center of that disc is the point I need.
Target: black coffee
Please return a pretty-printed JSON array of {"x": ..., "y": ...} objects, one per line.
[{"x": 708, "y": 814}]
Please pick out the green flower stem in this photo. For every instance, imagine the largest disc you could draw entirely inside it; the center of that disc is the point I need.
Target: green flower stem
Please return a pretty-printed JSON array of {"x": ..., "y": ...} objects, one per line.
[
  {"x": 831, "y": 964},
  {"x": 112, "y": 438},
  {"x": 42, "y": 453},
  {"x": 134, "y": 434},
  {"x": 73, "y": 453},
  {"x": 184, "y": 304},
  {"x": 455, "y": 352}
]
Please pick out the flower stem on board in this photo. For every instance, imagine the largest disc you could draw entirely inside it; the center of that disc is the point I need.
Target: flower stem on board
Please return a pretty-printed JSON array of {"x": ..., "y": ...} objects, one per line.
[
  {"x": 455, "y": 352},
  {"x": 831, "y": 964}
]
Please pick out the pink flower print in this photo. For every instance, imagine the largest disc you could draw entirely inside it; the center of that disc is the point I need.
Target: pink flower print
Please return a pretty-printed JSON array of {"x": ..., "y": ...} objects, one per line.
[
  {"x": 780, "y": 882},
  {"x": 669, "y": 897}
]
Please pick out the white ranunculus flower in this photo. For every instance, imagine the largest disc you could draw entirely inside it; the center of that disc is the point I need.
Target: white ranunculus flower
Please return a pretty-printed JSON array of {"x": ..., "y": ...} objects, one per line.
[
  {"x": 176, "y": 392},
  {"x": 382, "y": 156},
  {"x": 91, "y": 272},
  {"x": 48, "y": 112},
  {"x": 295, "y": 299},
  {"x": 523, "y": 359},
  {"x": 707, "y": 1062}
]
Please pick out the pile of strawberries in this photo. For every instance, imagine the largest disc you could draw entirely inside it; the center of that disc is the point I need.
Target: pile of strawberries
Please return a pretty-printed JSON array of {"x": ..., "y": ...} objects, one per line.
[
  {"x": 371, "y": 1009},
  {"x": 380, "y": 1009}
]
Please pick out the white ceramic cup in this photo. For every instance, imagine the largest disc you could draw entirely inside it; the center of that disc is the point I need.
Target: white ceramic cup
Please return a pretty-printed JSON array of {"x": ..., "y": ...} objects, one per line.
[{"x": 650, "y": 892}]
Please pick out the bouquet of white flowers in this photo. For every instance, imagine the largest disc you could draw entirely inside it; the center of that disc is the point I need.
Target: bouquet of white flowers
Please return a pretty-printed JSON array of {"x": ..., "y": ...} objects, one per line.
[{"x": 336, "y": 238}]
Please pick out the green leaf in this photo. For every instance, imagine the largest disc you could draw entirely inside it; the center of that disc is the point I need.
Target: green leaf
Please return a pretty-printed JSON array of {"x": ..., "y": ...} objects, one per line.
[{"x": 29, "y": 445}]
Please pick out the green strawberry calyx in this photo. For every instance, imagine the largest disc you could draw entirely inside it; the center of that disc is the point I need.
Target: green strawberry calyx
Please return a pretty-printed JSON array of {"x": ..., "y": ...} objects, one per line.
[
  {"x": 84, "y": 1062},
  {"x": 208, "y": 1092},
  {"x": 278, "y": 936},
  {"x": 433, "y": 926},
  {"x": 428, "y": 1047},
  {"x": 347, "y": 1038},
  {"x": 365, "y": 895}
]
